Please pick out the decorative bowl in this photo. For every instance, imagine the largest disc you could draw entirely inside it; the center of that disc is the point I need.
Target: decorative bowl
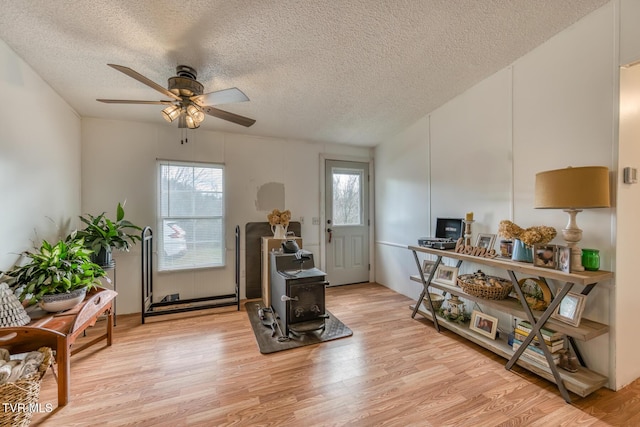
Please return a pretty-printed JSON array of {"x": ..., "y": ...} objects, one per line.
[{"x": 54, "y": 303}]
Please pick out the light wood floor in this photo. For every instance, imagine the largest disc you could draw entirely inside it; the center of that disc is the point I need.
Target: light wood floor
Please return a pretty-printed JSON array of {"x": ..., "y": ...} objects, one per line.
[{"x": 206, "y": 370}]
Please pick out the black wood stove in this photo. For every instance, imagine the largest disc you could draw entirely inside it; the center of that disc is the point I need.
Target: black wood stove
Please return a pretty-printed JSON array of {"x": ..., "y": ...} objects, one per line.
[{"x": 297, "y": 292}]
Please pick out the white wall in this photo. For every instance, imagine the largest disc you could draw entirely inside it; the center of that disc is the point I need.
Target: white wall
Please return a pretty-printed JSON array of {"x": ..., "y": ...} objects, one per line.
[
  {"x": 119, "y": 161},
  {"x": 39, "y": 160},
  {"x": 628, "y": 197},
  {"x": 552, "y": 108},
  {"x": 401, "y": 204}
]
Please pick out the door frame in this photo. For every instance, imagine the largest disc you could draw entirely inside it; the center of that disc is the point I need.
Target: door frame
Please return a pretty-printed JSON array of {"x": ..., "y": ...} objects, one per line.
[{"x": 323, "y": 214}]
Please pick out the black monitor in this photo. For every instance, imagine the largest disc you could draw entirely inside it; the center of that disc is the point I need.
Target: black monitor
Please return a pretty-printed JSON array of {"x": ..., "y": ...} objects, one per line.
[{"x": 449, "y": 228}]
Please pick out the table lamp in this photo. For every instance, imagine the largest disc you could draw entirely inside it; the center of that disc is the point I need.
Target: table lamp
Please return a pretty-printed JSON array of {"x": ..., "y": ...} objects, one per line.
[{"x": 573, "y": 189}]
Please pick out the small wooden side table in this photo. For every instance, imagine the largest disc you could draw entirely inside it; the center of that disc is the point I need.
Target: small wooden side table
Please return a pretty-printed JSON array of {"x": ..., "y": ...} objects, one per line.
[{"x": 59, "y": 331}]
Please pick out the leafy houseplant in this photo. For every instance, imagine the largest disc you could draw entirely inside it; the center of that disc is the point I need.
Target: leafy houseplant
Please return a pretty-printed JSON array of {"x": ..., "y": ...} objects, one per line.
[
  {"x": 56, "y": 269},
  {"x": 103, "y": 234}
]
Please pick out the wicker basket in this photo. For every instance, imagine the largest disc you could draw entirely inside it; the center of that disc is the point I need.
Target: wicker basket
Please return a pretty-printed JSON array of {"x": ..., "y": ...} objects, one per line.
[
  {"x": 483, "y": 286},
  {"x": 25, "y": 391}
]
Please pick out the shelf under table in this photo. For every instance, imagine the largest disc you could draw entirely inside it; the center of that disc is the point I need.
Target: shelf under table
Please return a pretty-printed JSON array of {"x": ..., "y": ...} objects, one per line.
[
  {"x": 582, "y": 383},
  {"x": 587, "y": 330}
]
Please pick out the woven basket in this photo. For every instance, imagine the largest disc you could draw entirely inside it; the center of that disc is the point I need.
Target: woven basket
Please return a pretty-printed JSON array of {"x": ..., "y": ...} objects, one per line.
[
  {"x": 482, "y": 286},
  {"x": 25, "y": 391}
]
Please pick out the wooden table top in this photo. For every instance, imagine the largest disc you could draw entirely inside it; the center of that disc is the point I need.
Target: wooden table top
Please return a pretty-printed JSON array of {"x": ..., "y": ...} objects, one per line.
[{"x": 64, "y": 322}]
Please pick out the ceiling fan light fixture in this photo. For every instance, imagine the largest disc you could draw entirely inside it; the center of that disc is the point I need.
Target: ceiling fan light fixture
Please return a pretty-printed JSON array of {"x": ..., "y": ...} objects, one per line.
[
  {"x": 195, "y": 113},
  {"x": 191, "y": 123},
  {"x": 171, "y": 113}
]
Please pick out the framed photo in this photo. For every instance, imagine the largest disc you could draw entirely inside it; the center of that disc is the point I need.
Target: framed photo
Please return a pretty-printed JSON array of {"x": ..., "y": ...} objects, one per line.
[
  {"x": 570, "y": 309},
  {"x": 427, "y": 266},
  {"x": 484, "y": 324},
  {"x": 545, "y": 256},
  {"x": 564, "y": 259},
  {"x": 446, "y": 275},
  {"x": 485, "y": 241}
]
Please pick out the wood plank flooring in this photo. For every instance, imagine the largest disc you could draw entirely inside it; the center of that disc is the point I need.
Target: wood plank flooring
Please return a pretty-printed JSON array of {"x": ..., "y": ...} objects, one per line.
[{"x": 204, "y": 369}]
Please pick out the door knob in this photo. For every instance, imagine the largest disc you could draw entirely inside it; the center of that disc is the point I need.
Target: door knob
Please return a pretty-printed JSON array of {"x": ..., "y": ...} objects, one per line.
[{"x": 330, "y": 231}]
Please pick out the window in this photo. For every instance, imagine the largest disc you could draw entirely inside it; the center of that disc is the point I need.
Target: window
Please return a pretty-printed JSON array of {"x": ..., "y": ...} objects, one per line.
[
  {"x": 347, "y": 196},
  {"x": 190, "y": 215}
]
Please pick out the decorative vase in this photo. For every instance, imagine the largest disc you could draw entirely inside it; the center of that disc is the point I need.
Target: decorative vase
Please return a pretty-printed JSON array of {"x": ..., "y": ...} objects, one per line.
[
  {"x": 11, "y": 311},
  {"x": 54, "y": 303},
  {"x": 279, "y": 231},
  {"x": 591, "y": 259},
  {"x": 521, "y": 252}
]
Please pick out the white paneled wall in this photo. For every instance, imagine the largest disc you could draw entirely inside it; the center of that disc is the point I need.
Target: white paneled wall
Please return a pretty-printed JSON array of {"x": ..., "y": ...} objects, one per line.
[
  {"x": 471, "y": 155},
  {"x": 552, "y": 108},
  {"x": 402, "y": 182},
  {"x": 564, "y": 99}
]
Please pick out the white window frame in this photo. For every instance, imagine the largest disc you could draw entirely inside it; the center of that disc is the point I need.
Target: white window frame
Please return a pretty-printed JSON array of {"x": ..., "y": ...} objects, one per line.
[{"x": 160, "y": 218}]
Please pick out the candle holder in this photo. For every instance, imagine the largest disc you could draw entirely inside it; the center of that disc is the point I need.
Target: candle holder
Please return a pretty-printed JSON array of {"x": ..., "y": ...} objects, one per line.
[{"x": 467, "y": 231}]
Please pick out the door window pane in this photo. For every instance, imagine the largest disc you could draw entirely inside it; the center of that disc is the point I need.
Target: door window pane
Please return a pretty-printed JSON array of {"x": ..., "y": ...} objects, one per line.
[{"x": 347, "y": 197}]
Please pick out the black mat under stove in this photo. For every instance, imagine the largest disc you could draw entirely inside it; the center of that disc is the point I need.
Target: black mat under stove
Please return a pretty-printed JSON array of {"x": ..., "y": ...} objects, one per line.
[{"x": 334, "y": 329}]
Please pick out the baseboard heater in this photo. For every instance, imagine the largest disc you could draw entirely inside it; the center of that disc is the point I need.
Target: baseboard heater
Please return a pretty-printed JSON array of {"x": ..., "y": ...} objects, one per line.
[{"x": 150, "y": 308}]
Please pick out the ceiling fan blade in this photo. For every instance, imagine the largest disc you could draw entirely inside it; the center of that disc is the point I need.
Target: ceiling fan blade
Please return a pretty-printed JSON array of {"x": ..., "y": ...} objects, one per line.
[
  {"x": 129, "y": 101},
  {"x": 230, "y": 117},
  {"x": 225, "y": 96},
  {"x": 142, "y": 79}
]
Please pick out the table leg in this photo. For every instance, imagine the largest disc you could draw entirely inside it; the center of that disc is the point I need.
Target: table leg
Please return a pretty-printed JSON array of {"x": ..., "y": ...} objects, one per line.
[
  {"x": 535, "y": 331},
  {"x": 425, "y": 288},
  {"x": 63, "y": 358},
  {"x": 110, "y": 323}
]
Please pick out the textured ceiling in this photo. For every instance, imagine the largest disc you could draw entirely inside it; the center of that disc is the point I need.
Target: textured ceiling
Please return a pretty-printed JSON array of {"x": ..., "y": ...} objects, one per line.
[{"x": 345, "y": 71}]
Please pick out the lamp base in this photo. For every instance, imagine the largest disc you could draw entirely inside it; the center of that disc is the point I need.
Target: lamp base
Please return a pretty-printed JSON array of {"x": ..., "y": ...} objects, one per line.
[
  {"x": 572, "y": 235},
  {"x": 576, "y": 258}
]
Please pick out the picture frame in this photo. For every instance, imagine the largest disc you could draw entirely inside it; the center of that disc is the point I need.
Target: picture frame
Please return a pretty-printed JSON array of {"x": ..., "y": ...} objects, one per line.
[
  {"x": 545, "y": 256},
  {"x": 446, "y": 275},
  {"x": 427, "y": 266},
  {"x": 564, "y": 259},
  {"x": 485, "y": 241},
  {"x": 570, "y": 309},
  {"x": 484, "y": 324}
]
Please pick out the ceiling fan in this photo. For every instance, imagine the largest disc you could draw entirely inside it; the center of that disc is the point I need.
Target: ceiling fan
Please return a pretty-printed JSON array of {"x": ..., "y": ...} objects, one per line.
[{"x": 187, "y": 104}]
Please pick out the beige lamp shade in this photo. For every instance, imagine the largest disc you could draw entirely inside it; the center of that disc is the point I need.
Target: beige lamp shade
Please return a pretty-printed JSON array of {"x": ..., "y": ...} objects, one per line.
[{"x": 573, "y": 188}]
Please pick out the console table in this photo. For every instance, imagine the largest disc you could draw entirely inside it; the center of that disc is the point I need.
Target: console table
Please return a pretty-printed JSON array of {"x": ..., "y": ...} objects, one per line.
[
  {"x": 59, "y": 331},
  {"x": 582, "y": 382}
]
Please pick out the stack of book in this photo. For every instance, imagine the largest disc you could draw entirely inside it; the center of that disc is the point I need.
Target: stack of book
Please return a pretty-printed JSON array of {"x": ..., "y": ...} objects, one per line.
[{"x": 552, "y": 339}]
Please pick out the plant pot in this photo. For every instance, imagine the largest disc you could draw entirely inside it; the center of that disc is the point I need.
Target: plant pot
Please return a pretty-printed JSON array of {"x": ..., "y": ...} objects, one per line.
[
  {"x": 521, "y": 252},
  {"x": 54, "y": 303},
  {"x": 103, "y": 258},
  {"x": 436, "y": 300}
]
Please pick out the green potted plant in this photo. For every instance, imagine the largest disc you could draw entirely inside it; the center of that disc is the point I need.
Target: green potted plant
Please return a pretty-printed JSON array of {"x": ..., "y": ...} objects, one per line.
[
  {"x": 57, "y": 275},
  {"x": 102, "y": 234}
]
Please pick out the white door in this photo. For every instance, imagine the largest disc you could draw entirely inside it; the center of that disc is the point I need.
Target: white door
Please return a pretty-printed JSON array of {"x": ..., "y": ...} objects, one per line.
[{"x": 347, "y": 222}]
